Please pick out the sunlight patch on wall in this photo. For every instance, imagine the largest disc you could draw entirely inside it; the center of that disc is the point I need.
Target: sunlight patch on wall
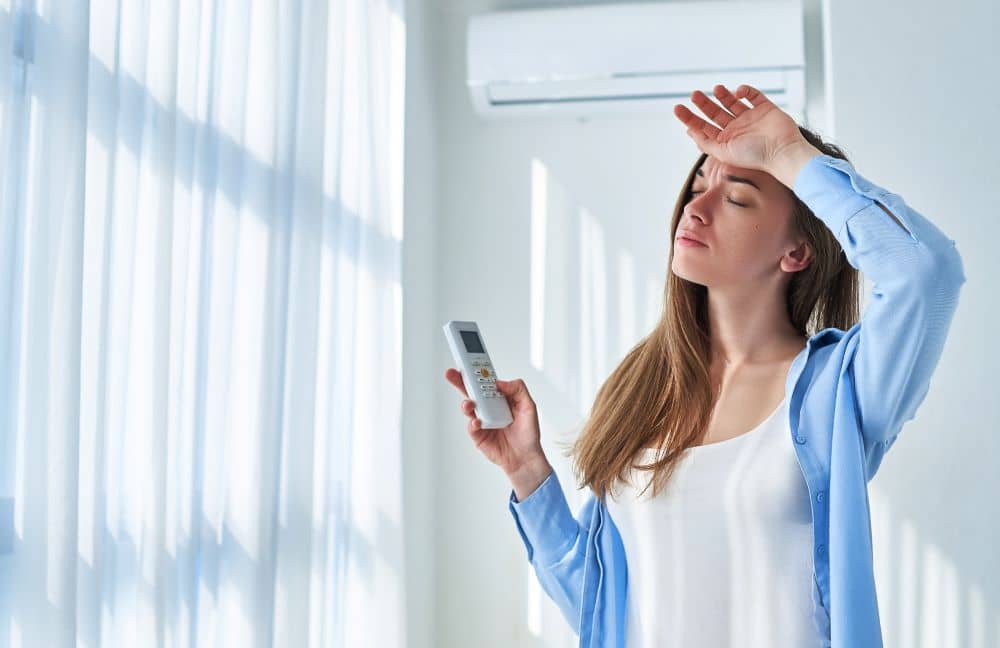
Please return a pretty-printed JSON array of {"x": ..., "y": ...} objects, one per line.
[
  {"x": 534, "y": 603},
  {"x": 539, "y": 217},
  {"x": 593, "y": 309},
  {"x": 922, "y": 599},
  {"x": 626, "y": 299}
]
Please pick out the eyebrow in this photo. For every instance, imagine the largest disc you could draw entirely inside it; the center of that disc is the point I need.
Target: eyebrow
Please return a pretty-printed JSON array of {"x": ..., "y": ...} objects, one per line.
[{"x": 732, "y": 178}]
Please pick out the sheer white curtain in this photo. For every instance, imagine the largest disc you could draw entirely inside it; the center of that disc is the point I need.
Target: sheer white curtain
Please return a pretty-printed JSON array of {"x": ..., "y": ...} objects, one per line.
[{"x": 200, "y": 314}]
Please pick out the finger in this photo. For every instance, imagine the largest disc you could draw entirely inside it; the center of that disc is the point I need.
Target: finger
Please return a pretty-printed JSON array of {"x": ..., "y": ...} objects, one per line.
[
  {"x": 752, "y": 94},
  {"x": 715, "y": 112},
  {"x": 514, "y": 390},
  {"x": 731, "y": 103},
  {"x": 705, "y": 144},
  {"x": 694, "y": 122},
  {"x": 454, "y": 376},
  {"x": 478, "y": 434}
]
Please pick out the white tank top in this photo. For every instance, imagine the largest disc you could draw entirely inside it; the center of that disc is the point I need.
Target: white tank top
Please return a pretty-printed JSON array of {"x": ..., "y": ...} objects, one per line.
[{"x": 723, "y": 555}]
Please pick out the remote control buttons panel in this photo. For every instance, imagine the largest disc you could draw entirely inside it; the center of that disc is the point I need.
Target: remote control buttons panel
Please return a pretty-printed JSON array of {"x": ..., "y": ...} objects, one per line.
[{"x": 487, "y": 379}]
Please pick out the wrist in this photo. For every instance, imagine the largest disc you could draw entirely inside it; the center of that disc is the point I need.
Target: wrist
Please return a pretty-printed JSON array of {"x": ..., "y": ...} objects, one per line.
[
  {"x": 790, "y": 159},
  {"x": 529, "y": 476},
  {"x": 535, "y": 466}
]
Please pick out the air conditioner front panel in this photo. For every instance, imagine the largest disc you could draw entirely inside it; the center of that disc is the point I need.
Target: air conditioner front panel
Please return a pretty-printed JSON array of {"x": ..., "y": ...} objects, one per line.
[
  {"x": 632, "y": 57},
  {"x": 636, "y": 39}
]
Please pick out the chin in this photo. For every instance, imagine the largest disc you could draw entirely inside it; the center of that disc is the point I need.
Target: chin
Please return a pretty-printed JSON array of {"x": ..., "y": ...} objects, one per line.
[{"x": 688, "y": 274}]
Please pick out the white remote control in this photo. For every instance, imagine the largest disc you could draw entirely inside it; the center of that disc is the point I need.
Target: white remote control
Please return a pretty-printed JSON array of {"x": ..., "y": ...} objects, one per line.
[{"x": 478, "y": 374}]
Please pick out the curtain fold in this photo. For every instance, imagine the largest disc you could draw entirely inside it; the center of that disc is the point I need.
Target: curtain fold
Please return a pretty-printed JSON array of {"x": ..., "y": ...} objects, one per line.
[{"x": 200, "y": 340}]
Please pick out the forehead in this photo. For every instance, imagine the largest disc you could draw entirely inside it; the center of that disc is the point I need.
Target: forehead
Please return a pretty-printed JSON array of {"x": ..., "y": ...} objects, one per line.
[{"x": 711, "y": 166}]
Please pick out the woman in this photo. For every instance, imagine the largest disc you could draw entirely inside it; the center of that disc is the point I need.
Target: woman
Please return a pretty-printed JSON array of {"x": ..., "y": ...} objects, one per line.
[{"x": 759, "y": 407}]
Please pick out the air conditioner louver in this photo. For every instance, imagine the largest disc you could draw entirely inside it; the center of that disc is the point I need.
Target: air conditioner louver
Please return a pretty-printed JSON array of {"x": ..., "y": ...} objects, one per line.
[{"x": 582, "y": 61}]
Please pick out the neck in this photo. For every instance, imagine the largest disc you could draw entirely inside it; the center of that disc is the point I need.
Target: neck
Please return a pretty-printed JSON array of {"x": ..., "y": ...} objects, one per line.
[{"x": 750, "y": 328}]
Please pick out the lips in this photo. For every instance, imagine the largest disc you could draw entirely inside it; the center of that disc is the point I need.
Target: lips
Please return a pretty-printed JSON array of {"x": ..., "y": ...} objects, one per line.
[{"x": 683, "y": 234}]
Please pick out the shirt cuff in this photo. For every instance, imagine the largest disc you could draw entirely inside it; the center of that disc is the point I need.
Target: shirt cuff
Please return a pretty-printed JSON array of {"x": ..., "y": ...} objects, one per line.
[
  {"x": 834, "y": 190},
  {"x": 544, "y": 521}
]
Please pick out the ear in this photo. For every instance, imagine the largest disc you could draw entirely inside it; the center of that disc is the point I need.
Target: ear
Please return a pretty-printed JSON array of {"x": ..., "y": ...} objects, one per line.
[{"x": 798, "y": 258}]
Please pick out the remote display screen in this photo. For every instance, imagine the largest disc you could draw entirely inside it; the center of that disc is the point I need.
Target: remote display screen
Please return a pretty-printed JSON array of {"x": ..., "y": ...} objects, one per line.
[{"x": 472, "y": 342}]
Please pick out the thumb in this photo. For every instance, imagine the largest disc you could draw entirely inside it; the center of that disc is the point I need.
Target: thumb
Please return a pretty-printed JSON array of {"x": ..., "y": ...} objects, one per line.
[
  {"x": 704, "y": 142},
  {"x": 513, "y": 388},
  {"x": 505, "y": 387}
]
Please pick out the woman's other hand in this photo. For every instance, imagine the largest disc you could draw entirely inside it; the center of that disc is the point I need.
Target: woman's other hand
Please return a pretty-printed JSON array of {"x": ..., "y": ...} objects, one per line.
[{"x": 760, "y": 136}]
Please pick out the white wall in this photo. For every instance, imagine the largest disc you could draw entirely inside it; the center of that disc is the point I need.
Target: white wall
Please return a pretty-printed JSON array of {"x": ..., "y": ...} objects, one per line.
[
  {"x": 915, "y": 85},
  {"x": 419, "y": 319},
  {"x": 913, "y": 100}
]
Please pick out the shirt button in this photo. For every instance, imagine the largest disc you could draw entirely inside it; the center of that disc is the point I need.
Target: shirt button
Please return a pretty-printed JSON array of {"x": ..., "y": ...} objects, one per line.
[
  {"x": 800, "y": 439},
  {"x": 820, "y": 549},
  {"x": 819, "y": 496}
]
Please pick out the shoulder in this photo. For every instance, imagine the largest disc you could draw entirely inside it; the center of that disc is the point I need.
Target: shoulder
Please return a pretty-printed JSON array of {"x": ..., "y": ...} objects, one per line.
[
  {"x": 826, "y": 337},
  {"x": 833, "y": 343},
  {"x": 828, "y": 355}
]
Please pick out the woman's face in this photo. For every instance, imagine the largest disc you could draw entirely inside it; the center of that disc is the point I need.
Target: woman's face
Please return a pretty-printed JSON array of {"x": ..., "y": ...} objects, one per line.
[{"x": 743, "y": 217}]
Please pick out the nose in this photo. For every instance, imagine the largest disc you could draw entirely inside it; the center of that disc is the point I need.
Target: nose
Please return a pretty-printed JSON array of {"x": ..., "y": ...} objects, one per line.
[{"x": 696, "y": 214}]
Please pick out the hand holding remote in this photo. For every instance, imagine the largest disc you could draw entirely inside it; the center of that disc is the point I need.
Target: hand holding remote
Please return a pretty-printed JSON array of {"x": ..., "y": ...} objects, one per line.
[{"x": 516, "y": 448}]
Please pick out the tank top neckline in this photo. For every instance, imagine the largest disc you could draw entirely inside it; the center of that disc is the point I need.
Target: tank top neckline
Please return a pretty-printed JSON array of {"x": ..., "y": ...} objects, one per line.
[{"x": 733, "y": 440}]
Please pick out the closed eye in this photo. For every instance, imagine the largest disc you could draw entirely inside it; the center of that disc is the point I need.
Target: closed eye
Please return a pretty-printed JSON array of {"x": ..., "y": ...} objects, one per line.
[{"x": 729, "y": 200}]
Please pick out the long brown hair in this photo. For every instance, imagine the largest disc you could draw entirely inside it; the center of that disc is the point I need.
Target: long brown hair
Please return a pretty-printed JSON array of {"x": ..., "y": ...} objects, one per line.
[{"x": 661, "y": 394}]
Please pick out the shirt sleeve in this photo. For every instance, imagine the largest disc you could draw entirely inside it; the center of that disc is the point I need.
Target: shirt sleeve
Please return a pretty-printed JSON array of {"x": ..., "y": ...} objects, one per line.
[
  {"x": 917, "y": 273},
  {"x": 556, "y": 543}
]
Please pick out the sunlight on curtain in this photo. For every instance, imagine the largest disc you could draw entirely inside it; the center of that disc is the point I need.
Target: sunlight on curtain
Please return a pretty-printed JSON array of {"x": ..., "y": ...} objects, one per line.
[{"x": 200, "y": 238}]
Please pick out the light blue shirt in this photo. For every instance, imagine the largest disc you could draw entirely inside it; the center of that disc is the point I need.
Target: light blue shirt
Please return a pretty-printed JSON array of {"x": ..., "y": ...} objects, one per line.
[{"x": 851, "y": 392}]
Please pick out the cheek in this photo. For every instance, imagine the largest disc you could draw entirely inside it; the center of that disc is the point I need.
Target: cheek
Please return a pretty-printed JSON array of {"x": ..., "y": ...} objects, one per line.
[
  {"x": 762, "y": 234},
  {"x": 747, "y": 237},
  {"x": 749, "y": 246}
]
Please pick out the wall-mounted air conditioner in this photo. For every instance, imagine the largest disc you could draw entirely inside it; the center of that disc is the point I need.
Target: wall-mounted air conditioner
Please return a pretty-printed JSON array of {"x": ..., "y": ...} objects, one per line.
[{"x": 607, "y": 59}]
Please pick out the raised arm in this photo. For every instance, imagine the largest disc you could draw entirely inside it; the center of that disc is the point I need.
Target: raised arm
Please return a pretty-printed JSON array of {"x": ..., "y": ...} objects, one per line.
[{"x": 917, "y": 273}]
